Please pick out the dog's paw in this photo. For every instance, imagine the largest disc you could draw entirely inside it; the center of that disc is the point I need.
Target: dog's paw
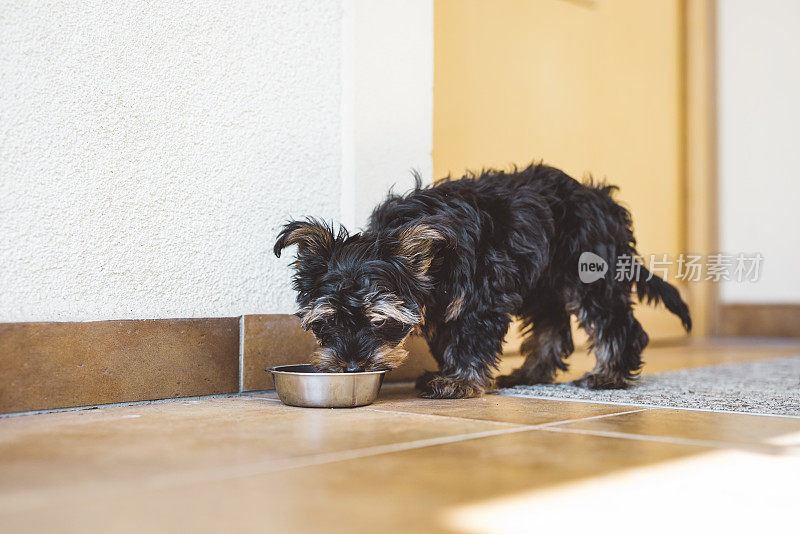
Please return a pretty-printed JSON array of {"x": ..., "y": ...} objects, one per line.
[
  {"x": 521, "y": 377},
  {"x": 600, "y": 381},
  {"x": 438, "y": 386}
]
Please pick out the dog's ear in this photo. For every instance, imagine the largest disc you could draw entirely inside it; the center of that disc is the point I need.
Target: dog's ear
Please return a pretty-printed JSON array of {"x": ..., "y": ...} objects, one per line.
[
  {"x": 419, "y": 241},
  {"x": 311, "y": 237}
]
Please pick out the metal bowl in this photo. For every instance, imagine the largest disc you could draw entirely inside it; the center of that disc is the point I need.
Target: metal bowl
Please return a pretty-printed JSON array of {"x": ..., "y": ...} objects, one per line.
[{"x": 302, "y": 385}]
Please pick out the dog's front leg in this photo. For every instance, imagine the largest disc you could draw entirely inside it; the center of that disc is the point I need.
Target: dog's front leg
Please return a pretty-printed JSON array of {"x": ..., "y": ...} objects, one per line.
[{"x": 467, "y": 351}]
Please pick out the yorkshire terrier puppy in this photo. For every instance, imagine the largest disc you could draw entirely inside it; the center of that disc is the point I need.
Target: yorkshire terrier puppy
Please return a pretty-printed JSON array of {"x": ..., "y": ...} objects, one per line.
[{"x": 458, "y": 261}]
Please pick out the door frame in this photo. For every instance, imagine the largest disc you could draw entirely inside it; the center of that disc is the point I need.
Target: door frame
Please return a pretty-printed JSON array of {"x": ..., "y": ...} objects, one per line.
[{"x": 699, "y": 145}]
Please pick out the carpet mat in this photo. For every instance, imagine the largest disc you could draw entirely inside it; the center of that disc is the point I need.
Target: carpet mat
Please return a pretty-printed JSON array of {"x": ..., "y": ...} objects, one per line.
[{"x": 764, "y": 387}]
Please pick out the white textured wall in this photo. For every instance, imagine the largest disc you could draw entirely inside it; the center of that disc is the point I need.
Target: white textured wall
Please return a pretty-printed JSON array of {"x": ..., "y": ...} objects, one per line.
[
  {"x": 149, "y": 151},
  {"x": 387, "y": 101},
  {"x": 759, "y": 159}
]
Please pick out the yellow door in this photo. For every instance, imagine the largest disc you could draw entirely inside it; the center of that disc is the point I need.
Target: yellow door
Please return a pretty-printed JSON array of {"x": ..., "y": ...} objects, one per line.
[{"x": 587, "y": 86}]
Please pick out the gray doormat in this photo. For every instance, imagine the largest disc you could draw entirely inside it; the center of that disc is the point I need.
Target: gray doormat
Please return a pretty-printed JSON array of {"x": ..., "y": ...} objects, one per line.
[{"x": 763, "y": 387}]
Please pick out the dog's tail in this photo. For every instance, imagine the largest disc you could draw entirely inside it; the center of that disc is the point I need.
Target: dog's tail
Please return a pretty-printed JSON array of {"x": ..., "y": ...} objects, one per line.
[{"x": 653, "y": 289}]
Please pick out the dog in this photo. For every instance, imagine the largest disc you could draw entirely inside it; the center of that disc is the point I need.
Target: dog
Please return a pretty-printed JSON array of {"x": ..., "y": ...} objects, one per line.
[{"x": 458, "y": 260}]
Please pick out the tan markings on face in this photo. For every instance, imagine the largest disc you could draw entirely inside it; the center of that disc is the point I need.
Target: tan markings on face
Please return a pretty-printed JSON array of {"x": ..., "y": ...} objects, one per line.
[
  {"x": 389, "y": 307},
  {"x": 325, "y": 359},
  {"x": 454, "y": 308},
  {"x": 388, "y": 356},
  {"x": 315, "y": 311},
  {"x": 420, "y": 326}
]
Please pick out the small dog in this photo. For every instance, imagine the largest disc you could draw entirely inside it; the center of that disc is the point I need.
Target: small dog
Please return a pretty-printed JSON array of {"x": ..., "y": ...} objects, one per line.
[{"x": 457, "y": 261}]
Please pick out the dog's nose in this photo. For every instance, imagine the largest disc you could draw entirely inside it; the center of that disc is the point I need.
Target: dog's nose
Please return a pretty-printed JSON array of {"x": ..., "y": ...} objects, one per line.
[{"x": 353, "y": 368}]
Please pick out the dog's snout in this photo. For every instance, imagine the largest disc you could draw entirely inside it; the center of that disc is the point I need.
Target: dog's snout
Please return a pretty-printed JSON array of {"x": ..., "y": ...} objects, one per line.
[{"x": 353, "y": 367}]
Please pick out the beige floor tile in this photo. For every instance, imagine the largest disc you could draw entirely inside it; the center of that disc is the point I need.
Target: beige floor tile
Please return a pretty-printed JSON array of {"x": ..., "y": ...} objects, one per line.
[
  {"x": 721, "y": 428},
  {"x": 402, "y": 398},
  {"x": 44, "y": 457},
  {"x": 720, "y": 491},
  {"x": 406, "y": 491},
  {"x": 704, "y": 353}
]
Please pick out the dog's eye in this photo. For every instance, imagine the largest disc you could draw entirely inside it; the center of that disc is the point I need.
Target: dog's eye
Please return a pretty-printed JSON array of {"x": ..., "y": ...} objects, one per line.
[
  {"x": 317, "y": 329},
  {"x": 388, "y": 327}
]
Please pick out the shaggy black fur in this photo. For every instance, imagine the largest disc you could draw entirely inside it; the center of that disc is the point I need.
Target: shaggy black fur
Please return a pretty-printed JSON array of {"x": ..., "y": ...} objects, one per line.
[{"x": 459, "y": 260}]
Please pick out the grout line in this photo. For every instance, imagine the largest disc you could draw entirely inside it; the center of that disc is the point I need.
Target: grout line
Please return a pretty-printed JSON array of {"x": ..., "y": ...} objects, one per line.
[
  {"x": 254, "y": 398},
  {"x": 258, "y": 391},
  {"x": 241, "y": 353},
  {"x": 591, "y": 417},
  {"x": 91, "y": 407},
  {"x": 271, "y": 466},
  {"x": 32, "y": 499},
  {"x": 763, "y": 448},
  {"x": 652, "y": 406},
  {"x": 529, "y": 426},
  {"x": 451, "y": 417}
]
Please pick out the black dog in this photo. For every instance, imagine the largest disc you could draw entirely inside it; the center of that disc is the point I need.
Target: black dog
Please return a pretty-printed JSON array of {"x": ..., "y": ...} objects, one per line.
[{"x": 459, "y": 260}]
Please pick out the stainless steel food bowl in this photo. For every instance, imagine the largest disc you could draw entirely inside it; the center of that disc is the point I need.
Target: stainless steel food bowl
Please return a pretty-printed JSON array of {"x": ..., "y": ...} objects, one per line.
[{"x": 302, "y": 385}]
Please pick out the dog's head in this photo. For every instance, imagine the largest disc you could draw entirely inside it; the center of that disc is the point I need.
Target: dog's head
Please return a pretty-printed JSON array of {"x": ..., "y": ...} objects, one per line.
[{"x": 360, "y": 295}]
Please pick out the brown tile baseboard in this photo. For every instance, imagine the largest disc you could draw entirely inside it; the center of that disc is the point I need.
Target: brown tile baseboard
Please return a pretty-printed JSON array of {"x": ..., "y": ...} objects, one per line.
[
  {"x": 764, "y": 320},
  {"x": 59, "y": 365},
  {"x": 46, "y": 366},
  {"x": 270, "y": 340}
]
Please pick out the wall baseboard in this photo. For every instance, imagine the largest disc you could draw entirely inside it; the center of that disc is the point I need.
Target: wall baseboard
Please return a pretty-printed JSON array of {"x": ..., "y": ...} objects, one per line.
[
  {"x": 45, "y": 366},
  {"x": 764, "y": 320},
  {"x": 60, "y": 365}
]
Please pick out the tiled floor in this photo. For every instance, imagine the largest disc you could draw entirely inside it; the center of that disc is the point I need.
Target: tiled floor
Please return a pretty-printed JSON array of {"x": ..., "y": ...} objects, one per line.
[{"x": 493, "y": 464}]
